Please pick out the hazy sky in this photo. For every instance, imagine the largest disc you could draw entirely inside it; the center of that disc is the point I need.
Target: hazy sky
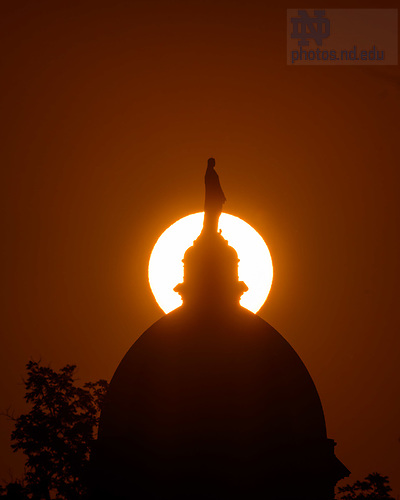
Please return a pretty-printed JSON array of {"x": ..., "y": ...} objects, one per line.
[{"x": 109, "y": 111}]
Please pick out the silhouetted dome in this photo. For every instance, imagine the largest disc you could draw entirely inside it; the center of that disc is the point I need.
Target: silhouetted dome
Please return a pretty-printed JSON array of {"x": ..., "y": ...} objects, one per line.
[
  {"x": 211, "y": 402},
  {"x": 220, "y": 404}
]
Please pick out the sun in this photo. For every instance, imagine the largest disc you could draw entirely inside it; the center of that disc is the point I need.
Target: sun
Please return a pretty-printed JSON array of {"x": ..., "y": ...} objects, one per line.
[{"x": 166, "y": 266}]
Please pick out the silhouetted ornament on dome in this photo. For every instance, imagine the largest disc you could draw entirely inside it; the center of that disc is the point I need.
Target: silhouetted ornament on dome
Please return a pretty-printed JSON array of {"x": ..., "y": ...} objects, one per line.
[
  {"x": 212, "y": 403},
  {"x": 210, "y": 273},
  {"x": 211, "y": 265},
  {"x": 214, "y": 198}
]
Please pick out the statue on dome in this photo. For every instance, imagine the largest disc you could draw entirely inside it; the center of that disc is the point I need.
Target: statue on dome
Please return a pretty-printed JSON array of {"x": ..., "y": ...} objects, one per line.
[{"x": 214, "y": 199}]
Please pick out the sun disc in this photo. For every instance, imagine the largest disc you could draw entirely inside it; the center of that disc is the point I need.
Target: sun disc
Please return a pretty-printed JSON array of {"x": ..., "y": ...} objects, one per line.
[{"x": 166, "y": 266}]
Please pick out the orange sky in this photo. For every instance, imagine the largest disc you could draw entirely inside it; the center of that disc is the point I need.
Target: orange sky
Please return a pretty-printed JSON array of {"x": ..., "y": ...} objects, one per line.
[{"x": 109, "y": 111}]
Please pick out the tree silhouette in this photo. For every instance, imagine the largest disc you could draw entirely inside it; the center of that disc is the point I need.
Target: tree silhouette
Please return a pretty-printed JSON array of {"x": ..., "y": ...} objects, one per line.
[
  {"x": 13, "y": 491},
  {"x": 374, "y": 487},
  {"x": 57, "y": 434}
]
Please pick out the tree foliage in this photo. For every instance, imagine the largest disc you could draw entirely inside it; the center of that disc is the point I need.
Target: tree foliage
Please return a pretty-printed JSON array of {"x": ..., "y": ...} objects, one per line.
[
  {"x": 373, "y": 487},
  {"x": 59, "y": 431},
  {"x": 57, "y": 434}
]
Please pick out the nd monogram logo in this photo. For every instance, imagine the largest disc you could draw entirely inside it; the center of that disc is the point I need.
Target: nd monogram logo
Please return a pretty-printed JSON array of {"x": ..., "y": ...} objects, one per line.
[{"x": 318, "y": 26}]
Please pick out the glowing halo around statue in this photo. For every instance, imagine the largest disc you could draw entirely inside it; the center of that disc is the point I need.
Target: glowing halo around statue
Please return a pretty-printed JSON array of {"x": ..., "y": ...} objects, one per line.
[{"x": 166, "y": 267}]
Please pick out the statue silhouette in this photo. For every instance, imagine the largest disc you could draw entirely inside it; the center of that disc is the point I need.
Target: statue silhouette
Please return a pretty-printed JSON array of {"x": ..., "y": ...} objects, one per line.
[
  {"x": 211, "y": 403},
  {"x": 214, "y": 198}
]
